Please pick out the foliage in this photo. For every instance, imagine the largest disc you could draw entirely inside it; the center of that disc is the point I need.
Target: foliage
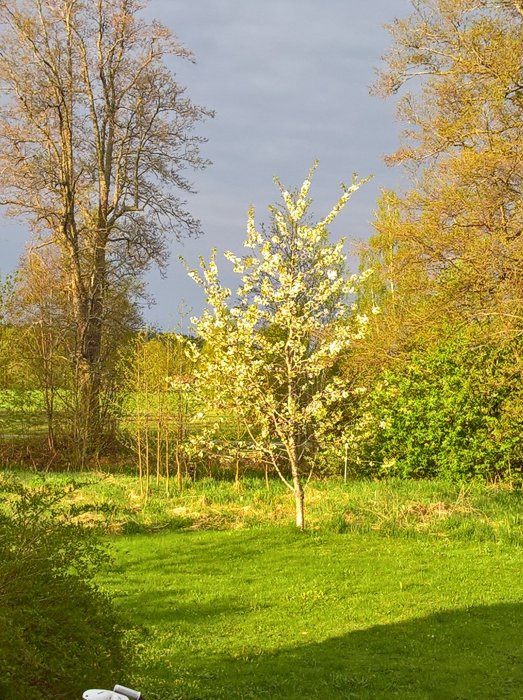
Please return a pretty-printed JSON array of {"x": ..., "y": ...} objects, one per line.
[
  {"x": 6, "y": 293},
  {"x": 455, "y": 237},
  {"x": 453, "y": 411},
  {"x": 158, "y": 403},
  {"x": 441, "y": 368},
  {"x": 58, "y": 631},
  {"x": 275, "y": 347},
  {"x": 43, "y": 344}
]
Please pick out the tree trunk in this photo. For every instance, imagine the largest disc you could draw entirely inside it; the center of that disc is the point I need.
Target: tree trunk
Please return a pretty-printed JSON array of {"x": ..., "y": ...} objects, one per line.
[
  {"x": 299, "y": 498},
  {"x": 296, "y": 470},
  {"x": 297, "y": 487},
  {"x": 89, "y": 305}
]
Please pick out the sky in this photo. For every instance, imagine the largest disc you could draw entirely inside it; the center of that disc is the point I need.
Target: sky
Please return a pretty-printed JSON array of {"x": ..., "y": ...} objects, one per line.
[{"x": 289, "y": 82}]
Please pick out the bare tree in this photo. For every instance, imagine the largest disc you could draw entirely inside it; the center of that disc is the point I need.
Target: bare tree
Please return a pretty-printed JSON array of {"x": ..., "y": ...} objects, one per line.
[{"x": 95, "y": 138}]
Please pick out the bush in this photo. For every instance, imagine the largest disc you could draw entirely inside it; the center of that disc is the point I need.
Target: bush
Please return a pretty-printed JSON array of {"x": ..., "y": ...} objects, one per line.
[
  {"x": 58, "y": 631},
  {"x": 452, "y": 412}
]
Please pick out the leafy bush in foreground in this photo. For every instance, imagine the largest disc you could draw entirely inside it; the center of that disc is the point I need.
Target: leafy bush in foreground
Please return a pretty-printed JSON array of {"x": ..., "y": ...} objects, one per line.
[{"x": 58, "y": 632}]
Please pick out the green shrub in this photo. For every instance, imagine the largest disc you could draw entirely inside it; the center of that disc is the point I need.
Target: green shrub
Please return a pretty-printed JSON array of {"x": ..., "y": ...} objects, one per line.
[
  {"x": 453, "y": 412},
  {"x": 58, "y": 632}
]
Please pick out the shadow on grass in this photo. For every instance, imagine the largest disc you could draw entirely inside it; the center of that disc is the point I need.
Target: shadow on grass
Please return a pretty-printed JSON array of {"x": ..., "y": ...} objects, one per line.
[
  {"x": 156, "y": 610},
  {"x": 475, "y": 653}
]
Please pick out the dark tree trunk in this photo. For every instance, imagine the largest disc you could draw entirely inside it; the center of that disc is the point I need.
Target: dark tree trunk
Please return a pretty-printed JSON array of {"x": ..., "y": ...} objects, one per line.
[{"x": 89, "y": 310}]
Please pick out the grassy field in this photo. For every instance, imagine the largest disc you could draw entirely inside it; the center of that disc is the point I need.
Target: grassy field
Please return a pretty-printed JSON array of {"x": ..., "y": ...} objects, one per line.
[
  {"x": 407, "y": 590},
  {"x": 269, "y": 613},
  {"x": 397, "y": 590},
  {"x": 437, "y": 510}
]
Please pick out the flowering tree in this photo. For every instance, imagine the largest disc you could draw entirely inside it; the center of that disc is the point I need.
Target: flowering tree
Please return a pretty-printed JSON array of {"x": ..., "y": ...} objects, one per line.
[{"x": 276, "y": 344}]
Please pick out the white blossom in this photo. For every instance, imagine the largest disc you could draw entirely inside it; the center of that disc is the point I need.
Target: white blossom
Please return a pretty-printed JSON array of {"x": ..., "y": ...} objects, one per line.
[{"x": 264, "y": 363}]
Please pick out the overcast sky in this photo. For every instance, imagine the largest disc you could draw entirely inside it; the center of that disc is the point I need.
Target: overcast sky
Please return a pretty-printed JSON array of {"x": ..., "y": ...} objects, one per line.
[{"x": 289, "y": 81}]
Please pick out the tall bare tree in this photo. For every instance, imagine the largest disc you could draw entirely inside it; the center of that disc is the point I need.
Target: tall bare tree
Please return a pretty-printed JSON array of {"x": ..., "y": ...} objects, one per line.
[{"x": 95, "y": 137}]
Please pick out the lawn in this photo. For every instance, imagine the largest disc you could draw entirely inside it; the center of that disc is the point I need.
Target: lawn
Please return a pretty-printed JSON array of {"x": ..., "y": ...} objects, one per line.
[
  {"x": 270, "y": 613},
  {"x": 397, "y": 589},
  {"x": 394, "y": 507}
]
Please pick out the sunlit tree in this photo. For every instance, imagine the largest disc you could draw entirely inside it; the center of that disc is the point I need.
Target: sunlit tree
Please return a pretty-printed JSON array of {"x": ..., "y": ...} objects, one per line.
[
  {"x": 460, "y": 224},
  {"x": 277, "y": 342},
  {"x": 96, "y": 136}
]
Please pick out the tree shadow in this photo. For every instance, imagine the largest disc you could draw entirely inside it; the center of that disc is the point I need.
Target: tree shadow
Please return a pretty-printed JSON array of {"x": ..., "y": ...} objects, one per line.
[
  {"x": 158, "y": 610},
  {"x": 474, "y": 653}
]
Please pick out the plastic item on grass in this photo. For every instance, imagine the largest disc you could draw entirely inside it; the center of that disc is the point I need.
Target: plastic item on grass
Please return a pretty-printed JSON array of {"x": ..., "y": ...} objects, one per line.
[{"x": 119, "y": 692}]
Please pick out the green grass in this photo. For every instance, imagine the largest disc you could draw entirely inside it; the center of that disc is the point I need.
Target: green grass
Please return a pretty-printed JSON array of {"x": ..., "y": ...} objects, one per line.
[
  {"x": 22, "y": 413},
  {"x": 398, "y": 589},
  {"x": 270, "y": 613},
  {"x": 396, "y": 508}
]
